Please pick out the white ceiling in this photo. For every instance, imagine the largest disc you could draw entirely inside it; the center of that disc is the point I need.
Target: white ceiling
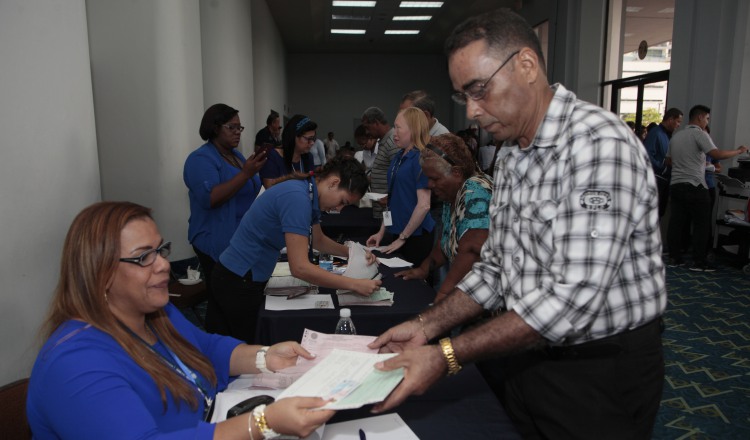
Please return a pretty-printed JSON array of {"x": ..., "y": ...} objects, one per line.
[{"x": 305, "y": 25}]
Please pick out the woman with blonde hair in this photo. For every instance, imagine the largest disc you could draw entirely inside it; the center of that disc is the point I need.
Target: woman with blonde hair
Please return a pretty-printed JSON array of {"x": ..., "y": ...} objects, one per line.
[
  {"x": 121, "y": 362},
  {"x": 407, "y": 219}
]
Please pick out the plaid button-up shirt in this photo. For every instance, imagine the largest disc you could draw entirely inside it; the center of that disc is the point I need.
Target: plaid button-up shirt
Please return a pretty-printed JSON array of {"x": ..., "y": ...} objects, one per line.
[{"x": 574, "y": 245}]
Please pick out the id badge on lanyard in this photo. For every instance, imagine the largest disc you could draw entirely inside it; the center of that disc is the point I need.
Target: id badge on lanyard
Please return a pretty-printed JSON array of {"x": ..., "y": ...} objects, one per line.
[{"x": 387, "y": 219}]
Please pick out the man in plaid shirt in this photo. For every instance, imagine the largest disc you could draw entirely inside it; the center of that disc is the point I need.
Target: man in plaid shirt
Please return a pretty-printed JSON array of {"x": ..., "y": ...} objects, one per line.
[{"x": 572, "y": 268}]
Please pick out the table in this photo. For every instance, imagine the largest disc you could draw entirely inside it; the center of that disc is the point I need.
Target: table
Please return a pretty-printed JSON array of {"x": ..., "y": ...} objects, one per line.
[
  {"x": 456, "y": 407},
  {"x": 411, "y": 298}
]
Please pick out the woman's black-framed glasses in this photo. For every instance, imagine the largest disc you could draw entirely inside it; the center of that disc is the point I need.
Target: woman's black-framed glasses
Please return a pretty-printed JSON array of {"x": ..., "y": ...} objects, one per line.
[
  {"x": 147, "y": 258},
  {"x": 477, "y": 90},
  {"x": 440, "y": 153}
]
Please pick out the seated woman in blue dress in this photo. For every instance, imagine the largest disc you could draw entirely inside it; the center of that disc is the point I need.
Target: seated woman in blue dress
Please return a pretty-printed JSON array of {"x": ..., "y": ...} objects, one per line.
[
  {"x": 287, "y": 215},
  {"x": 121, "y": 362},
  {"x": 454, "y": 177},
  {"x": 297, "y": 139}
]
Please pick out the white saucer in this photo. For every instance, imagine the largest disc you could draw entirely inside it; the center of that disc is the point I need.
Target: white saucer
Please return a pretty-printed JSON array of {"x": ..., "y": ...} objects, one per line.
[{"x": 188, "y": 281}]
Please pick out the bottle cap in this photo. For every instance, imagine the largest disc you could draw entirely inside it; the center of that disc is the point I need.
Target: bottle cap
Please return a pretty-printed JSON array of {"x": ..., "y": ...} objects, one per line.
[{"x": 345, "y": 313}]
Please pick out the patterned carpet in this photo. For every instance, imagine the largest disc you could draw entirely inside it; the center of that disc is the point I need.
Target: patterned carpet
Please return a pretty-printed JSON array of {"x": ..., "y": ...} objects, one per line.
[{"x": 707, "y": 355}]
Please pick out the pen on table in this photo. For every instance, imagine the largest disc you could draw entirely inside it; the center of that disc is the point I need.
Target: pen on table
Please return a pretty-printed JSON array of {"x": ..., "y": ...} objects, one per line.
[{"x": 362, "y": 435}]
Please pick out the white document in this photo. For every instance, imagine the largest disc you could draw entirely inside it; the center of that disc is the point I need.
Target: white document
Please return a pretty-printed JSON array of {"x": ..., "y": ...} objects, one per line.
[
  {"x": 319, "y": 344},
  {"x": 347, "y": 378},
  {"x": 394, "y": 262},
  {"x": 385, "y": 427},
  {"x": 282, "y": 269},
  {"x": 357, "y": 264},
  {"x": 374, "y": 196},
  {"x": 300, "y": 303}
]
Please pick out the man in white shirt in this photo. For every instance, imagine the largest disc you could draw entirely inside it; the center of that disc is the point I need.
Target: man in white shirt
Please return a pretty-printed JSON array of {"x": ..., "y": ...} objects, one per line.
[
  {"x": 369, "y": 148},
  {"x": 332, "y": 147},
  {"x": 318, "y": 152},
  {"x": 421, "y": 100},
  {"x": 571, "y": 270}
]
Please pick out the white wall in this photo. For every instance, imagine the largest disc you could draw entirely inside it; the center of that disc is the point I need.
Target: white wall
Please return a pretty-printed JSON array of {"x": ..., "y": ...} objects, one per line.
[
  {"x": 711, "y": 66},
  {"x": 148, "y": 94},
  {"x": 226, "y": 42},
  {"x": 269, "y": 69},
  {"x": 48, "y": 165},
  {"x": 335, "y": 89}
]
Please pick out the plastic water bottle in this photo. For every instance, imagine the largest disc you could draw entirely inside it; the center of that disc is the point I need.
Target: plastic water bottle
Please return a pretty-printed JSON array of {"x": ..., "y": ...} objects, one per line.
[{"x": 345, "y": 326}]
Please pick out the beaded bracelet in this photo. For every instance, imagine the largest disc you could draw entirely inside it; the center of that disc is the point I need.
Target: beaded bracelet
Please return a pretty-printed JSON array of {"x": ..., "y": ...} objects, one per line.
[
  {"x": 250, "y": 426},
  {"x": 260, "y": 421},
  {"x": 260, "y": 360}
]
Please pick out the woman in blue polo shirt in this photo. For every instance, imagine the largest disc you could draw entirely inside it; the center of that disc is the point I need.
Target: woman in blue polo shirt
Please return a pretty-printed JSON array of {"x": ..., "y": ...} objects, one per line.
[
  {"x": 221, "y": 186},
  {"x": 297, "y": 139},
  {"x": 285, "y": 215},
  {"x": 407, "y": 218}
]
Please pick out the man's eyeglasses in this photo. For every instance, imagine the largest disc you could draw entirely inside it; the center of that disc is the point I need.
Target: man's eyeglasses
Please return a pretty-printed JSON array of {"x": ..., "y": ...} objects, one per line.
[
  {"x": 442, "y": 154},
  {"x": 147, "y": 258},
  {"x": 234, "y": 127},
  {"x": 308, "y": 138},
  {"x": 477, "y": 90}
]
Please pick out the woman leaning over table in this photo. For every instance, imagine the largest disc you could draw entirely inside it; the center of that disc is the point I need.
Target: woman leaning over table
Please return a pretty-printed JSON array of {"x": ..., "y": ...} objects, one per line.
[
  {"x": 408, "y": 194},
  {"x": 465, "y": 191},
  {"x": 120, "y": 362},
  {"x": 297, "y": 139},
  {"x": 287, "y": 215},
  {"x": 221, "y": 187}
]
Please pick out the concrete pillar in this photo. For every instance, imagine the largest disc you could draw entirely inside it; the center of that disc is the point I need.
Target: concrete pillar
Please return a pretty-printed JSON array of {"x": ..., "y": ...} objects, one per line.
[
  {"x": 48, "y": 168},
  {"x": 227, "y": 47},
  {"x": 148, "y": 96}
]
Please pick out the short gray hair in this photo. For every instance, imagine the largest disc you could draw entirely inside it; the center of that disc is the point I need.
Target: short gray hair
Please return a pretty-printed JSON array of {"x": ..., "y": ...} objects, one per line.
[{"x": 374, "y": 114}]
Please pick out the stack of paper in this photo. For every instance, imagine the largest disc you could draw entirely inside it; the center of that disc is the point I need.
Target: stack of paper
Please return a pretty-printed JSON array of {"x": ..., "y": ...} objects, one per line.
[
  {"x": 289, "y": 286},
  {"x": 300, "y": 303},
  {"x": 380, "y": 297},
  {"x": 319, "y": 344},
  {"x": 347, "y": 378}
]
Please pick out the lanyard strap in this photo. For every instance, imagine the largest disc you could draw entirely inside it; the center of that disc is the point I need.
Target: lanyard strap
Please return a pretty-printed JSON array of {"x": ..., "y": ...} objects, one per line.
[
  {"x": 310, "y": 235},
  {"x": 179, "y": 367},
  {"x": 394, "y": 174}
]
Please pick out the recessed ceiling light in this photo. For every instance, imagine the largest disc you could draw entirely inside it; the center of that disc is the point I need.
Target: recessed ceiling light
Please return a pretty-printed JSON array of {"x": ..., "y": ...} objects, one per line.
[
  {"x": 666, "y": 11},
  {"x": 420, "y": 5},
  {"x": 412, "y": 18},
  {"x": 633, "y": 9},
  {"x": 401, "y": 32},
  {"x": 351, "y": 17},
  {"x": 348, "y": 31},
  {"x": 354, "y": 3}
]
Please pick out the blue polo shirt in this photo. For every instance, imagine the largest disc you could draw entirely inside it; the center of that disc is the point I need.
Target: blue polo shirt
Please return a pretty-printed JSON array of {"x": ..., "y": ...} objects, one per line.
[
  {"x": 257, "y": 243},
  {"x": 405, "y": 177},
  {"x": 275, "y": 166},
  {"x": 209, "y": 229}
]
